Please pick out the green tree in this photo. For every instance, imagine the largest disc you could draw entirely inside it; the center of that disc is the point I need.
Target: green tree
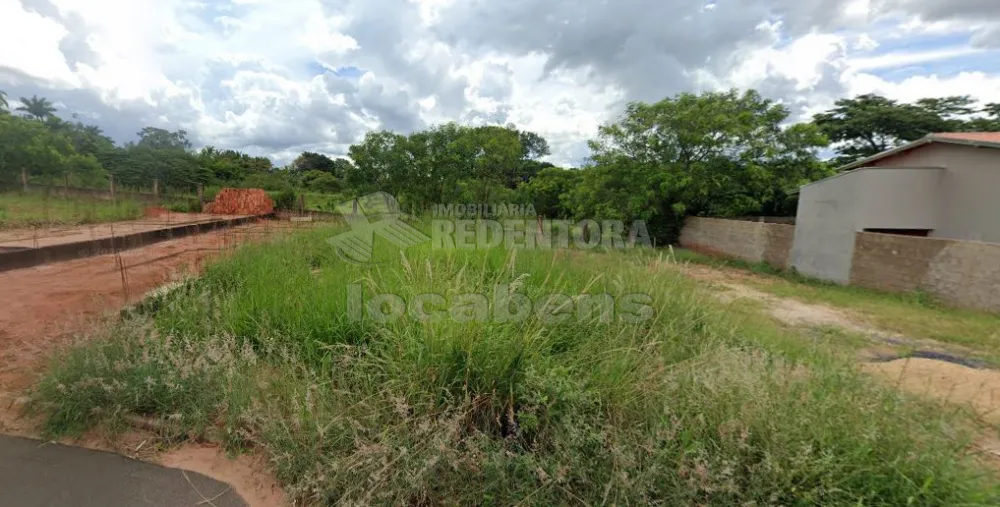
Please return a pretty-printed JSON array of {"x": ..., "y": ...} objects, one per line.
[
  {"x": 719, "y": 154},
  {"x": 161, "y": 155},
  {"x": 30, "y": 146},
  {"x": 380, "y": 163},
  {"x": 869, "y": 124},
  {"x": 37, "y": 107},
  {"x": 549, "y": 191},
  {"x": 309, "y": 161},
  {"x": 160, "y": 139},
  {"x": 4, "y": 105},
  {"x": 319, "y": 181},
  {"x": 497, "y": 154}
]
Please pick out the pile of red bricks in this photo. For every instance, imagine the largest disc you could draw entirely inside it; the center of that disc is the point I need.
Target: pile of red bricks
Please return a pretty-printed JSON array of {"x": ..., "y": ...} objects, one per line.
[{"x": 241, "y": 201}]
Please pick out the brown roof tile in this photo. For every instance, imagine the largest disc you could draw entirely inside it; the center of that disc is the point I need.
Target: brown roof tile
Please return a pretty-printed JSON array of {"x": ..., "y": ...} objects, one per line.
[{"x": 983, "y": 137}]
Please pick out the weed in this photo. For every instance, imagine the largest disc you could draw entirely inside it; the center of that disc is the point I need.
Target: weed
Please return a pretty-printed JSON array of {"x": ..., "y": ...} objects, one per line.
[
  {"x": 686, "y": 408},
  {"x": 32, "y": 209}
]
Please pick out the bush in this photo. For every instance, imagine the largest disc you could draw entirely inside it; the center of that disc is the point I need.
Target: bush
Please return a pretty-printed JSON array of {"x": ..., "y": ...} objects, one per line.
[
  {"x": 284, "y": 200},
  {"x": 184, "y": 206}
]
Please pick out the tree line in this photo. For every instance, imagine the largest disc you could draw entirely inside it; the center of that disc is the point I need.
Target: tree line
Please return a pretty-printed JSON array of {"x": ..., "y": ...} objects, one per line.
[{"x": 713, "y": 154}]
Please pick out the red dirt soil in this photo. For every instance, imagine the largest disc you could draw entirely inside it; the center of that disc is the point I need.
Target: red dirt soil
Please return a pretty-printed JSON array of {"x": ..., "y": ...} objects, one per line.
[{"x": 43, "y": 308}]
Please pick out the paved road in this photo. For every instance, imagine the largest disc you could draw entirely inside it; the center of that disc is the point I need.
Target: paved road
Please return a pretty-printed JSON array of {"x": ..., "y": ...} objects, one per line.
[{"x": 40, "y": 474}]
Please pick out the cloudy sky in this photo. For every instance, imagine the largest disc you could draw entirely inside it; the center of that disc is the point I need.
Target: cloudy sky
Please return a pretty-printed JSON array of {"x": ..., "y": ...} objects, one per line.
[{"x": 276, "y": 77}]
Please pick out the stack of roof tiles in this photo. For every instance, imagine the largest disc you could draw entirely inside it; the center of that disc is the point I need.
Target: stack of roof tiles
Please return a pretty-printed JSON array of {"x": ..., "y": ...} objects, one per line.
[{"x": 241, "y": 201}]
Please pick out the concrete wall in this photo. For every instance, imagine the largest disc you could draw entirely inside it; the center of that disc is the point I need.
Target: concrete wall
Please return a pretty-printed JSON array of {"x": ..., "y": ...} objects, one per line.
[
  {"x": 969, "y": 207},
  {"x": 831, "y": 211},
  {"x": 749, "y": 241},
  {"x": 961, "y": 273},
  {"x": 824, "y": 228},
  {"x": 957, "y": 272},
  {"x": 895, "y": 198}
]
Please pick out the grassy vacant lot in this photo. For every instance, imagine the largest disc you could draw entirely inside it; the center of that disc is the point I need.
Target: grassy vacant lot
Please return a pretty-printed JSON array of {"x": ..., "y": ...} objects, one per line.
[
  {"x": 915, "y": 315},
  {"x": 687, "y": 407},
  {"x": 18, "y": 209}
]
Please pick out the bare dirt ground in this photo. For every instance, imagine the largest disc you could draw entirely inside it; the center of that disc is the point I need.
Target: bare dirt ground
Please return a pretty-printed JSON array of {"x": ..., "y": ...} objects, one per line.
[
  {"x": 155, "y": 220},
  {"x": 45, "y": 307},
  {"x": 977, "y": 388}
]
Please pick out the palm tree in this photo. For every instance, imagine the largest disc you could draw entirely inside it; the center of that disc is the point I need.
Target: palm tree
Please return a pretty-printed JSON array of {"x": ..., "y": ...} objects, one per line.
[
  {"x": 4, "y": 106},
  {"x": 38, "y": 107}
]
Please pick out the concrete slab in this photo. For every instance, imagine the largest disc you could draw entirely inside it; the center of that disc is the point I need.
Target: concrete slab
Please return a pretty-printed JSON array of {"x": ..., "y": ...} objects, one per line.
[
  {"x": 40, "y": 474},
  {"x": 77, "y": 242},
  {"x": 51, "y": 236}
]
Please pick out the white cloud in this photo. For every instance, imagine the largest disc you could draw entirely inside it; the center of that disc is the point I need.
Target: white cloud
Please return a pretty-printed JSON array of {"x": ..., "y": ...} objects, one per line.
[
  {"x": 984, "y": 87},
  {"x": 22, "y": 29},
  {"x": 259, "y": 75}
]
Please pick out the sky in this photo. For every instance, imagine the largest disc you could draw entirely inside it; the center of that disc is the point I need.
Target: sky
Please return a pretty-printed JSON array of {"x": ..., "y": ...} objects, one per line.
[{"x": 278, "y": 77}]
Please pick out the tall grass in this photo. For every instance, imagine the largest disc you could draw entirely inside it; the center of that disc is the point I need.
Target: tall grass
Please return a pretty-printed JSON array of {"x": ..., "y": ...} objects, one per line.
[
  {"x": 684, "y": 408},
  {"x": 19, "y": 209}
]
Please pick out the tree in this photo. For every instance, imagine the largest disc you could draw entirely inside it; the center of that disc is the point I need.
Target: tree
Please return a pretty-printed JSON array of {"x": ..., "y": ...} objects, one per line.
[
  {"x": 870, "y": 124},
  {"x": 380, "y": 163},
  {"x": 309, "y": 161},
  {"x": 946, "y": 108},
  {"x": 4, "y": 105},
  {"x": 160, "y": 139},
  {"x": 719, "y": 154},
  {"x": 549, "y": 191},
  {"x": 992, "y": 110},
  {"x": 989, "y": 121},
  {"x": 37, "y": 107},
  {"x": 497, "y": 153},
  {"x": 161, "y": 155},
  {"x": 30, "y": 146},
  {"x": 320, "y": 181},
  {"x": 533, "y": 145}
]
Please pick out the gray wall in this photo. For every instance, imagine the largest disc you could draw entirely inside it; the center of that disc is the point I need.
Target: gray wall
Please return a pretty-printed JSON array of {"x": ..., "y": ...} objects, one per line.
[
  {"x": 831, "y": 211},
  {"x": 970, "y": 207},
  {"x": 824, "y": 228},
  {"x": 899, "y": 198}
]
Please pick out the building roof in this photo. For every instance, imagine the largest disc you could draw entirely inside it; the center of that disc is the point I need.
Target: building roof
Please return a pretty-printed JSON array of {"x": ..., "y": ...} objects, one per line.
[{"x": 977, "y": 139}]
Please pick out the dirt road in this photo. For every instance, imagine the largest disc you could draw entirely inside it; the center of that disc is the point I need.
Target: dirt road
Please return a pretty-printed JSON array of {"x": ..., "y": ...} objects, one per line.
[
  {"x": 41, "y": 307},
  {"x": 45, "y": 307},
  {"x": 944, "y": 372}
]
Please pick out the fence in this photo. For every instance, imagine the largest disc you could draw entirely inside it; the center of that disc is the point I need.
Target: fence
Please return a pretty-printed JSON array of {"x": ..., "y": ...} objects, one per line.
[
  {"x": 111, "y": 193},
  {"x": 956, "y": 272},
  {"x": 961, "y": 273},
  {"x": 749, "y": 241}
]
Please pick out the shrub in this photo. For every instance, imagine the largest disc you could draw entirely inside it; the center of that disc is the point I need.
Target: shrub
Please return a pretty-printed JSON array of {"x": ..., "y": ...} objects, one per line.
[{"x": 285, "y": 200}]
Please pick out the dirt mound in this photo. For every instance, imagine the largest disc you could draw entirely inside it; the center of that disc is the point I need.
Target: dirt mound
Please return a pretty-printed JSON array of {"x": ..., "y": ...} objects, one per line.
[
  {"x": 945, "y": 381},
  {"x": 241, "y": 201}
]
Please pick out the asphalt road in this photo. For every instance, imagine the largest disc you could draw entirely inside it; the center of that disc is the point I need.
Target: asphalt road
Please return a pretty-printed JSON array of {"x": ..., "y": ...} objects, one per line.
[{"x": 41, "y": 474}]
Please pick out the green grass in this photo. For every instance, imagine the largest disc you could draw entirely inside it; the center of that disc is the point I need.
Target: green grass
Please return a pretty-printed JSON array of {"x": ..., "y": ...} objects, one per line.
[
  {"x": 32, "y": 209},
  {"x": 693, "y": 406},
  {"x": 914, "y": 314}
]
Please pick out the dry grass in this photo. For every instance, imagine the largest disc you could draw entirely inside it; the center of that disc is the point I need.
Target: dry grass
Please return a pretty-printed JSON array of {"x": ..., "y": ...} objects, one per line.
[{"x": 691, "y": 407}]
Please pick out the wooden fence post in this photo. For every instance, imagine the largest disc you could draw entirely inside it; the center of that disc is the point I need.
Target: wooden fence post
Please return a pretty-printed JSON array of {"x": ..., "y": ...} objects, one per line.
[
  {"x": 201, "y": 196},
  {"x": 111, "y": 181},
  {"x": 24, "y": 179},
  {"x": 156, "y": 188}
]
